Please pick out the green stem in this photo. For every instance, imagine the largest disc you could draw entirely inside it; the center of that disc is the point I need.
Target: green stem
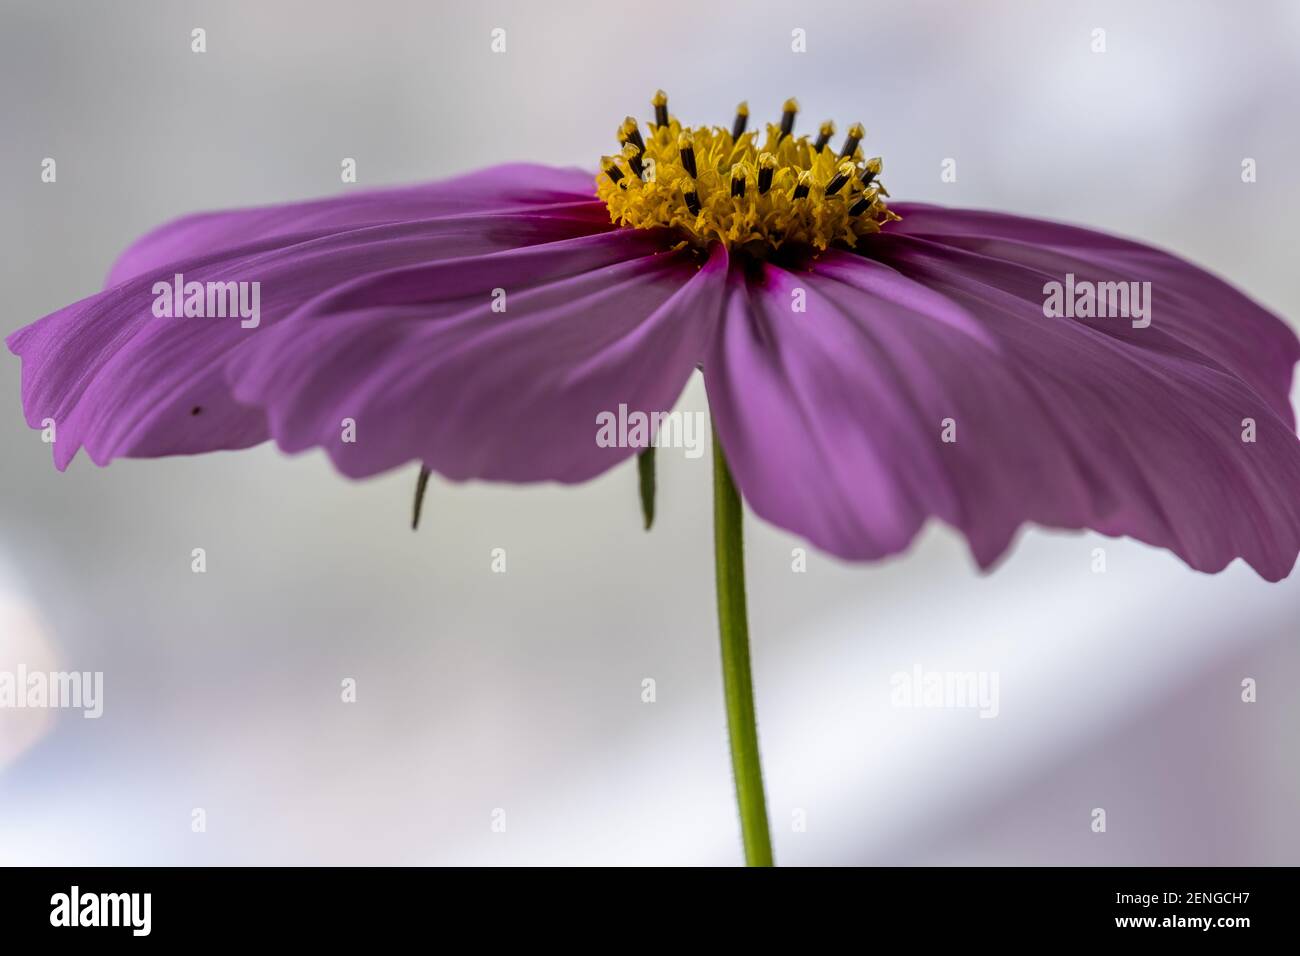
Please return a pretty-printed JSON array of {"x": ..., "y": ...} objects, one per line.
[{"x": 729, "y": 556}]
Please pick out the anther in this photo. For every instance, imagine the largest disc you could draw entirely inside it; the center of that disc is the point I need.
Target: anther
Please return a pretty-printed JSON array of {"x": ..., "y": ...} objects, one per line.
[
  {"x": 842, "y": 175},
  {"x": 660, "y": 102},
  {"x": 739, "y": 173},
  {"x": 872, "y": 171},
  {"x": 766, "y": 167},
  {"x": 742, "y": 120},
  {"x": 856, "y": 132},
  {"x": 631, "y": 133},
  {"x": 863, "y": 204},
  {"x": 612, "y": 170},
  {"x": 633, "y": 157},
  {"x": 805, "y": 183},
  {"x": 690, "y": 195},
  {"x": 824, "y": 136},
  {"x": 686, "y": 150},
  {"x": 787, "y": 117}
]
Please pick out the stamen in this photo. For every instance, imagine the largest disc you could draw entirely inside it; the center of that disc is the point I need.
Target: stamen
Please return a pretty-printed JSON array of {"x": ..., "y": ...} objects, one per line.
[
  {"x": 842, "y": 175},
  {"x": 874, "y": 165},
  {"x": 612, "y": 170},
  {"x": 863, "y": 204},
  {"x": 742, "y": 120},
  {"x": 766, "y": 168},
  {"x": 690, "y": 195},
  {"x": 660, "y": 102},
  {"x": 633, "y": 157},
  {"x": 631, "y": 133},
  {"x": 686, "y": 149},
  {"x": 824, "y": 136},
  {"x": 739, "y": 174},
  {"x": 856, "y": 132},
  {"x": 805, "y": 183},
  {"x": 787, "y": 117}
]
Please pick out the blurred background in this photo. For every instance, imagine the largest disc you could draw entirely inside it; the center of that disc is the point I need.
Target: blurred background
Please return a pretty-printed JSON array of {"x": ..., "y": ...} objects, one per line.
[{"x": 522, "y": 692}]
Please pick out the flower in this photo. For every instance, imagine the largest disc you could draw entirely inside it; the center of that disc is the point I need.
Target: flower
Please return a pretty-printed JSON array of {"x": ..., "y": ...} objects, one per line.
[{"x": 869, "y": 364}]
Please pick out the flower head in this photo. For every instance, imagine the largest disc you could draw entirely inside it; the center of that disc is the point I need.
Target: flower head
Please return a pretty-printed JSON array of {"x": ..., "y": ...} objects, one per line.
[{"x": 717, "y": 185}]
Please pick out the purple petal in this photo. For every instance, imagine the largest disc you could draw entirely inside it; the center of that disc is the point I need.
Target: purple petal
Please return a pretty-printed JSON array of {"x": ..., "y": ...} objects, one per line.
[
  {"x": 122, "y": 382},
  {"x": 516, "y": 187},
  {"x": 1193, "y": 308},
  {"x": 427, "y": 370},
  {"x": 833, "y": 418}
]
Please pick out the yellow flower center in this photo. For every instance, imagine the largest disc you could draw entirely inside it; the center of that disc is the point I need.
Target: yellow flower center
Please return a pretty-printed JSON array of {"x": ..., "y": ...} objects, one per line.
[{"x": 718, "y": 185}]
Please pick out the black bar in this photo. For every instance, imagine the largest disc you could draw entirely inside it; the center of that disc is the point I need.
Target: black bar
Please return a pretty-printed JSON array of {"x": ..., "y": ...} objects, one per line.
[{"x": 979, "y": 904}]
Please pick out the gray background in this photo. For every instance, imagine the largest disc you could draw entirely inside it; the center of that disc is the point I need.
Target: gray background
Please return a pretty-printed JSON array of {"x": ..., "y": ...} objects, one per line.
[{"x": 522, "y": 691}]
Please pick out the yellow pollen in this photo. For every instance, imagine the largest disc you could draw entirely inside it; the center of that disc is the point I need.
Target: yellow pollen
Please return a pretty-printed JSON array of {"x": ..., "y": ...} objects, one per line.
[{"x": 757, "y": 189}]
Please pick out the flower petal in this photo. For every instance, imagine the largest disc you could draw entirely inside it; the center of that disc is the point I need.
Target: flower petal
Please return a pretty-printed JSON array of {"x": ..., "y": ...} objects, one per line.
[
  {"x": 833, "y": 418},
  {"x": 427, "y": 369},
  {"x": 1191, "y": 307},
  {"x": 125, "y": 383},
  {"x": 516, "y": 187}
]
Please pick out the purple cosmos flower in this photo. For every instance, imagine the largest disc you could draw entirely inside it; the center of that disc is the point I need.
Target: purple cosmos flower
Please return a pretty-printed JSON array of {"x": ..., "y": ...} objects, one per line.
[{"x": 868, "y": 364}]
